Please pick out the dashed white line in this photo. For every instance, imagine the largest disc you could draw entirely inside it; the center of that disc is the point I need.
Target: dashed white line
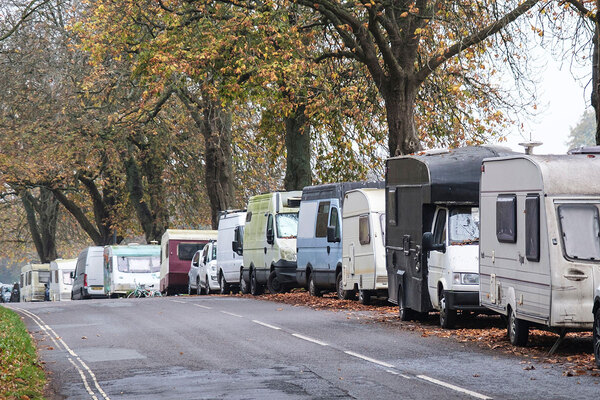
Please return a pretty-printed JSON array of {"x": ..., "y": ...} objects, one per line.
[
  {"x": 179, "y": 301},
  {"x": 454, "y": 387},
  {"x": 201, "y": 306},
  {"x": 299, "y": 336},
  {"x": 374, "y": 361},
  {"x": 392, "y": 372},
  {"x": 232, "y": 314},
  {"x": 265, "y": 324}
]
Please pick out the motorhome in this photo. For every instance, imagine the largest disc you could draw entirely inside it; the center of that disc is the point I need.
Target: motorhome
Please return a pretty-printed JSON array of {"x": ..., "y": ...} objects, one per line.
[
  {"x": 34, "y": 279},
  {"x": 540, "y": 244},
  {"x": 230, "y": 250},
  {"x": 319, "y": 239},
  {"x": 178, "y": 247},
  {"x": 270, "y": 242},
  {"x": 432, "y": 227},
  {"x": 363, "y": 245},
  {"x": 61, "y": 282},
  {"x": 130, "y": 265},
  {"x": 88, "y": 278}
]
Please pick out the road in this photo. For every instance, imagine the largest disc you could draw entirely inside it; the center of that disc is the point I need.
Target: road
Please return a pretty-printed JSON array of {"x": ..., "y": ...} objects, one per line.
[{"x": 217, "y": 347}]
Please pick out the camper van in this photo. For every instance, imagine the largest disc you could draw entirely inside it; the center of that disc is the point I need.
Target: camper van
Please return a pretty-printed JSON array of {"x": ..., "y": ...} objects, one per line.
[
  {"x": 88, "y": 278},
  {"x": 433, "y": 231},
  {"x": 178, "y": 247},
  {"x": 540, "y": 244},
  {"x": 363, "y": 245},
  {"x": 34, "y": 279},
  {"x": 319, "y": 240},
  {"x": 61, "y": 282},
  {"x": 270, "y": 242},
  {"x": 229, "y": 251},
  {"x": 130, "y": 265}
]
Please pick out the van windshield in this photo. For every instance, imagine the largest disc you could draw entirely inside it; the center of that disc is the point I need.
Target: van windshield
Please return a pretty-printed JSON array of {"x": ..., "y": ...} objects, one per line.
[
  {"x": 463, "y": 225},
  {"x": 580, "y": 231},
  {"x": 138, "y": 264},
  {"x": 287, "y": 225}
]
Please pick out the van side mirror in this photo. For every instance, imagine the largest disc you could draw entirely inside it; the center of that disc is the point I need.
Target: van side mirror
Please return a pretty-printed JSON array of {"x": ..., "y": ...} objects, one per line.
[
  {"x": 235, "y": 246},
  {"x": 331, "y": 236},
  {"x": 270, "y": 236},
  {"x": 429, "y": 245},
  {"x": 72, "y": 274}
]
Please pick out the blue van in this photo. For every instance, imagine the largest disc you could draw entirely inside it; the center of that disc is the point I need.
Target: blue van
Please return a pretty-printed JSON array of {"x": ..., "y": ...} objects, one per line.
[{"x": 319, "y": 240}]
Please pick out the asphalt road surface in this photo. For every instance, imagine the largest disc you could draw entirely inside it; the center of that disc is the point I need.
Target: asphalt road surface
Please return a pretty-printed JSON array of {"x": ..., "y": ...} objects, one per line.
[{"x": 237, "y": 348}]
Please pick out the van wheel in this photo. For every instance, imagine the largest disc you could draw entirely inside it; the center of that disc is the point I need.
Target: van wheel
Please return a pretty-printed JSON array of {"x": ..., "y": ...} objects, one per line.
[
  {"x": 255, "y": 288},
  {"x": 207, "y": 288},
  {"x": 364, "y": 297},
  {"x": 341, "y": 293},
  {"x": 447, "y": 316},
  {"x": 243, "y": 285},
  {"x": 597, "y": 337},
  {"x": 405, "y": 313},
  {"x": 274, "y": 284},
  {"x": 312, "y": 287},
  {"x": 225, "y": 289},
  {"x": 518, "y": 330}
]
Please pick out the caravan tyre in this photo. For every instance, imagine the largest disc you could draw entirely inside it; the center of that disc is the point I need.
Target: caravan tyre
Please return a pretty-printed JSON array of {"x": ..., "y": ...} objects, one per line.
[
  {"x": 404, "y": 313},
  {"x": 312, "y": 287},
  {"x": 255, "y": 288},
  {"x": 597, "y": 337},
  {"x": 244, "y": 287},
  {"x": 447, "y": 316},
  {"x": 343, "y": 294},
  {"x": 518, "y": 330},
  {"x": 364, "y": 297}
]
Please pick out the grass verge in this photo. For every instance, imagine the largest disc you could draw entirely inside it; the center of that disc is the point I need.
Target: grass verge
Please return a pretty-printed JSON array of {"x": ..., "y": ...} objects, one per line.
[{"x": 21, "y": 375}]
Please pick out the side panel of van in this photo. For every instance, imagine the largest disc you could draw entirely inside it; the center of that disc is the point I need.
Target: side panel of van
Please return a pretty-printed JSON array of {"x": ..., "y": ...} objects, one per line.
[{"x": 228, "y": 261}]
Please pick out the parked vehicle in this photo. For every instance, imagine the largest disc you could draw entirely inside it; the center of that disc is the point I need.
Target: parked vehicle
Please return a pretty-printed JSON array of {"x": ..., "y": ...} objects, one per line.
[
  {"x": 230, "y": 250},
  {"x": 363, "y": 245},
  {"x": 88, "y": 278},
  {"x": 540, "y": 243},
  {"x": 432, "y": 231},
  {"x": 6, "y": 293},
  {"x": 207, "y": 269},
  {"x": 178, "y": 247},
  {"x": 61, "y": 282},
  {"x": 125, "y": 267},
  {"x": 319, "y": 239},
  {"x": 15, "y": 294},
  {"x": 34, "y": 279},
  {"x": 270, "y": 242}
]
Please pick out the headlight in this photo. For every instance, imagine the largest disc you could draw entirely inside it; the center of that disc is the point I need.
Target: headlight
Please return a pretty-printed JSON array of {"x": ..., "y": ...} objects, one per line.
[
  {"x": 213, "y": 277},
  {"x": 288, "y": 255},
  {"x": 213, "y": 268},
  {"x": 465, "y": 278}
]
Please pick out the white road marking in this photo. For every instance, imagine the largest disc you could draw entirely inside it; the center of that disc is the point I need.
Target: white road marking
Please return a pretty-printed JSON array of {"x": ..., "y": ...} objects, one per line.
[
  {"x": 201, "y": 306},
  {"x": 84, "y": 379},
  {"x": 299, "y": 336},
  {"x": 454, "y": 387},
  {"x": 265, "y": 324},
  {"x": 179, "y": 301},
  {"x": 232, "y": 314},
  {"x": 374, "y": 361},
  {"x": 392, "y": 372}
]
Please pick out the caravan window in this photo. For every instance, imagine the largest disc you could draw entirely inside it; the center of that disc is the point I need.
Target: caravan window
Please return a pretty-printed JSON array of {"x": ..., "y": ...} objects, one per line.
[
  {"x": 138, "y": 264},
  {"x": 44, "y": 276},
  {"x": 322, "y": 215},
  {"x": 335, "y": 221},
  {"x": 463, "y": 225},
  {"x": 66, "y": 276},
  {"x": 364, "y": 232},
  {"x": 391, "y": 211},
  {"x": 506, "y": 218},
  {"x": 580, "y": 229},
  {"x": 186, "y": 251},
  {"x": 532, "y": 227}
]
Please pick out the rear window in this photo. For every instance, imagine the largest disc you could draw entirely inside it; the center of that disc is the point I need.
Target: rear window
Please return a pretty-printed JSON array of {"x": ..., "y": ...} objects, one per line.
[
  {"x": 44, "y": 276},
  {"x": 138, "y": 264},
  {"x": 580, "y": 228},
  {"x": 186, "y": 251}
]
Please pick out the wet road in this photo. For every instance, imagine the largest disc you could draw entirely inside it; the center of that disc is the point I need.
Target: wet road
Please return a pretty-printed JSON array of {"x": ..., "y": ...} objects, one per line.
[{"x": 239, "y": 348}]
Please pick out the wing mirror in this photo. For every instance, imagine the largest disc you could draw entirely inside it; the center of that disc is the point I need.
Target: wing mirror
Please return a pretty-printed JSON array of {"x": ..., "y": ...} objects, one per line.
[
  {"x": 429, "y": 245},
  {"x": 331, "y": 236},
  {"x": 235, "y": 246},
  {"x": 72, "y": 274},
  {"x": 270, "y": 236}
]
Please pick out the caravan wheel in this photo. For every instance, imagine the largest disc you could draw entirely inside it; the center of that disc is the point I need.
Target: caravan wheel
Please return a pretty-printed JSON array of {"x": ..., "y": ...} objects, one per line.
[
  {"x": 518, "y": 330},
  {"x": 597, "y": 337},
  {"x": 364, "y": 297}
]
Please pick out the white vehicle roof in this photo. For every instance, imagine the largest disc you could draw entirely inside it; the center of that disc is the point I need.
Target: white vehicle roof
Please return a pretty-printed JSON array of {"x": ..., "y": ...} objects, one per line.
[
  {"x": 35, "y": 267},
  {"x": 189, "y": 234},
  {"x": 63, "y": 263},
  {"x": 364, "y": 201}
]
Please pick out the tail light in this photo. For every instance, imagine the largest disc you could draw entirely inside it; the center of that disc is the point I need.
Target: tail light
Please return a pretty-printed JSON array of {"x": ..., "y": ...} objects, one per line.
[{"x": 84, "y": 280}]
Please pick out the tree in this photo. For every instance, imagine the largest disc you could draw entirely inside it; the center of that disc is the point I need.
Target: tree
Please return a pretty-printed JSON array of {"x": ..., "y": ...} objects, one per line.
[
  {"x": 584, "y": 133},
  {"x": 15, "y": 13}
]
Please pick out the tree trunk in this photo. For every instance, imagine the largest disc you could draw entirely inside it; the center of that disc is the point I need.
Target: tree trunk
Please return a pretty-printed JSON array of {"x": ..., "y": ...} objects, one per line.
[
  {"x": 400, "y": 100},
  {"x": 42, "y": 216},
  {"x": 298, "y": 172},
  {"x": 596, "y": 72}
]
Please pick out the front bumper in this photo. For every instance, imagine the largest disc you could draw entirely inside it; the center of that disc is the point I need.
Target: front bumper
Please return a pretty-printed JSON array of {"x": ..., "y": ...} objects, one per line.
[
  {"x": 286, "y": 271},
  {"x": 468, "y": 301}
]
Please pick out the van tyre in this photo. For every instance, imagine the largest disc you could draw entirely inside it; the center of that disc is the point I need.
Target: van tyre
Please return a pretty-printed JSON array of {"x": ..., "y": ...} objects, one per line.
[
  {"x": 518, "y": 330},
  {"x": 207, "y": 288},
  {"x": 405, "y": 313},
  {"x": 274, "y": 284},
  {"x": 255, "y": 288},
  {"x": 341, "y": 293},
  {"x": 364, "y": 297},
  {"x": 447, "y": 316},
  {"x": 244, "y": 287},
  {"x": 596, "y": 336},
  {"x": 312, "y": 287},
  {"x": 225, "y": 288}
]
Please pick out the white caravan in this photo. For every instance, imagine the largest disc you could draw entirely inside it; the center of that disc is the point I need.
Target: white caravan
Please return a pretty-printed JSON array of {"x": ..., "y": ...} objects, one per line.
[
  {"x": 61, "y": 282},
  {"x": 125, "y": 267},
  {"x": 229, "y": 251},
  {"x": 540, "y": 245},
  {"x": 34, "y": 278},
  {"x": 363, "y": 244}
]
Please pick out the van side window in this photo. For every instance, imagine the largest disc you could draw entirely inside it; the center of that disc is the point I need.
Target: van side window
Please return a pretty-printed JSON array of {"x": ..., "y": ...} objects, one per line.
[
  {"x": 532, "y": 227},
  {"x": 364, "y": 233},
  {"x": 335, "y": 221},
  {"x": 506, "y": 218},
  {"x": 391, "y": 211},
  {"x": 322, "y": 215},
  {"x": 439, "y": 231},
  {"x": 249, "y": 216}
]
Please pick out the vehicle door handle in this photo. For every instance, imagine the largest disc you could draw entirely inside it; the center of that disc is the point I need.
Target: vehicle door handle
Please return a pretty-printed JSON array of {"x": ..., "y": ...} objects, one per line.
[
  {"x": 265, "y": 250},
  {"x": 575, "y": 277},
  {"x": 328, "y": 249}
]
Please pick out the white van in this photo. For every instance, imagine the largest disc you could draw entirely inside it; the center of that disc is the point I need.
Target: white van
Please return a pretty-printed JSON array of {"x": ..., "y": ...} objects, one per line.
[
  {"x": 131, "y": 265},
  {"x": 270, "y": 241},
  {"x": 363, "y": 244},
  {"x": 229, "y": 252},
  {"x": 61, "y": 282},
  {"x": 88, "y": 278},
  {"x": 34, "y": 278},
  {"x": 540, "y": 245}
]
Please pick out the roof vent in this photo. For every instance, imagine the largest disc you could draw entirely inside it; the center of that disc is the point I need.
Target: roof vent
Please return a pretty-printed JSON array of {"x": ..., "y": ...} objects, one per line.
[{"x": 530, "y": 145}]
